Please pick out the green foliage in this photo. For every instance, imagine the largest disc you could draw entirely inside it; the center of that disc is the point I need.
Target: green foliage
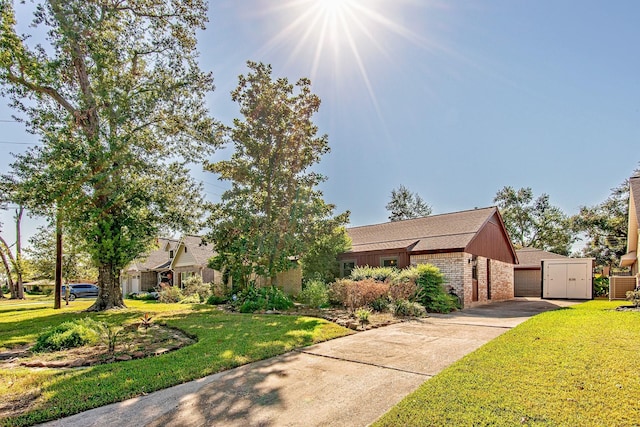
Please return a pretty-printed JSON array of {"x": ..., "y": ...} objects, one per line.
[
  {"x": 379, "y": 274},
  {"x": 67, "y": 335},
  {"x": 170, "y": 294},
  {"x": 254, "y": 337},
  {"x": 118, "y": 101},
  {"x": 273, "y": 211},
  {"x": 254, "y": 299},
  {"x": 634, "y": 297},
  {"x": 605, "y": 226},
  {"x": 193, "y": 286},
  {"x": 191, "y": 299},
  {"x": 144, "y": 296},
  {"x": 380, "y": 304},
  {"x": 556, "y": 369},
  {"x": 76, "y": 265},
  {"x": 600, "y": 286},
  {"x": 534, "y": 223},
  {"x": 362, "y": 314},
  {"x": 315, "y": 294},
  {"x": 321, "y": 258},
  {"x": 406, "y": 205},
  {"x": 432, "y": 294},
  {"x": 403, "y": 307},
  {"x": 217, "y": 300}
]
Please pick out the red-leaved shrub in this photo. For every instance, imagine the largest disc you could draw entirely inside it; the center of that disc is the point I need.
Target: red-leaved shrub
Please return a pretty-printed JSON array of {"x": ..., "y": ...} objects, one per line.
[{"x": 353, "y": 295}]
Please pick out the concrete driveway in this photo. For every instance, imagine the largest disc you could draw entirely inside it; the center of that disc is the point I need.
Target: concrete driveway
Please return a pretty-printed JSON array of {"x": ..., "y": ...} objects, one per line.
[{"x": 347, "y": 381}]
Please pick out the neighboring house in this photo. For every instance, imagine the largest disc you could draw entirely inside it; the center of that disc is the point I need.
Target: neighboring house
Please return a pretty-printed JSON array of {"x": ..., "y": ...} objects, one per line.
[
  {"x": 148, "y": 272},
  {"x": 527, "y": 275},
  {"x": 630, "y": 259},
  {"x": 471, "y": 248},
  {"x": 619, "y": 285},
  {"x": 192, "y": 258}
]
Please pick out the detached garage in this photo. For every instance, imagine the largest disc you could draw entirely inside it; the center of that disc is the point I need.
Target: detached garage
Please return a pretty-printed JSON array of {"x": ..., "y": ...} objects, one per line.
[
  {"x": 571, "y": 278},
  {"x": 527, "y": 274}
]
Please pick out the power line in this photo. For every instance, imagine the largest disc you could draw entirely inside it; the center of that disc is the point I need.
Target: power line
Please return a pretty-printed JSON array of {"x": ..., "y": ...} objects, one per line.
[{"x": 20, "y": 143}]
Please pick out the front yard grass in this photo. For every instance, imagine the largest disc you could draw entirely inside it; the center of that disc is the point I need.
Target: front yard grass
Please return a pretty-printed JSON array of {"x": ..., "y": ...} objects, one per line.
[
  {"x": 577, "y": 366},
  {"x": 224, "y": 341}
]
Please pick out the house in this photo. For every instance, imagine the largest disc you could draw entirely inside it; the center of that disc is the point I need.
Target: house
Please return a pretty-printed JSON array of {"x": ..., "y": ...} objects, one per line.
[
  {"x": 192, "y": 258},
  {"x": 527, "y": 275},
  {"x": 471, "y": 248},
  {"x": 147, "y": 272},
  {"x": 619, "y": 285}
]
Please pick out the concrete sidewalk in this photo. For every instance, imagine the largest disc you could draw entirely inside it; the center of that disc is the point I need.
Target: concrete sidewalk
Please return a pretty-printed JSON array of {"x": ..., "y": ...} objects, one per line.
[{"x": 347, "y": 381}]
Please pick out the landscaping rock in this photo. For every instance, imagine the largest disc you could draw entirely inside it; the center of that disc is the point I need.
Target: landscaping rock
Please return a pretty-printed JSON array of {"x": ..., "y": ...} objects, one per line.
[
  {"x": 123, "y": 358},
  {"x": 138, "y": 354}
]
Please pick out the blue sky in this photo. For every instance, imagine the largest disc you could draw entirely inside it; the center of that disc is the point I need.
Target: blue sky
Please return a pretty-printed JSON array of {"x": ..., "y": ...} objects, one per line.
[{"x": 454, "y": 100}]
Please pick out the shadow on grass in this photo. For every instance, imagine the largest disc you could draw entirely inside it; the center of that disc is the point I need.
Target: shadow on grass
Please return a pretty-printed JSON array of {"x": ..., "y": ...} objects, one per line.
[{"x": 225, "y": 341}]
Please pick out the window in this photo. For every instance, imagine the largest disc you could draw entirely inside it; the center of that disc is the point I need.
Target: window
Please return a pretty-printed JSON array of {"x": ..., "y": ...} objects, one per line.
[
  {"x": 346, "y": 267},
  {"x": 171, "y": 254},
  {"x": 185, "y": 249},
  {"x": 389, "y": 262}
]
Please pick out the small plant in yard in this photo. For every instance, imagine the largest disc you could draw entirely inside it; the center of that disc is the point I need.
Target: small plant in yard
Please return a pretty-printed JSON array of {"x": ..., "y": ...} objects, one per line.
[
  {"x": 315, "y": 294},
  {"x": 363, "y": 316},
  {"x": 67, "y": 335},
  {"x": 110, "y": 335},
  {"x": 353, "y": 295},
  {"x": 253, "y": 299},
  {"x": 145, "y": 321},
  {"x": 170, "y": 294},
  {"x": 634, "y": 297},
  {"x": 403, "y": 307}
]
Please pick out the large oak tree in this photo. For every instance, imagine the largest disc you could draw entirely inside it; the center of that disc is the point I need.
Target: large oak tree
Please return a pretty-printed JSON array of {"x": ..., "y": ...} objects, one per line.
[
  {"x": 273, "y": 212},
  {"x": 117, "y": 97},
  {"x": 534, "y": 223}
]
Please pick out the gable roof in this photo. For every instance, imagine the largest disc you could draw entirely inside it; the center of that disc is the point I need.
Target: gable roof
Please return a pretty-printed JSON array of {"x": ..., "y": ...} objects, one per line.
[
  {"x": 444, "y": 232},
  {"x": 200, "y": 250},
  {"x": 532, "y": 257},
  {"x": 156, "y": 259}
]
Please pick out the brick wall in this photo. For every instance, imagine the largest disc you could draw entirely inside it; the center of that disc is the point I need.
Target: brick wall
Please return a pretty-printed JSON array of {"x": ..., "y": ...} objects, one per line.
[{"x": 457, "y": 269}]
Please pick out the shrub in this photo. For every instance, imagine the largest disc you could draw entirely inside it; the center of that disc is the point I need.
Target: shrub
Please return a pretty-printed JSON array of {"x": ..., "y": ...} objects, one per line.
[
  {"x": 353, "y": 295},
  {"x": 68, "y": 335},
  {"x": 194, "y": 286},
  {"x": 266, "y": 298},
  {"x": 337, "y": 291},
  {"x": 217, "y": 300},
  {"x": 191, "y": 299},
  {"x": 406, "y": 290},
  {"x": 169, "y": 294},
  {"x": 363, "y": 316},
  {"x": 432, "y": 294},
  {"x": 380, "y": 304},
  {"x": 634, "y": 297},
  {"x": 315, "y": 294},
  {"x": 379, "y": 274},
  {"x": 403, "y": 307},
  {"x": 601, "y": 286}
]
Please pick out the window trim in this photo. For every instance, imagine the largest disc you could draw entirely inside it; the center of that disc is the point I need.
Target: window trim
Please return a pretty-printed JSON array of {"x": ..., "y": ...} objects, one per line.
[
  {"x": 389, "y": 258},
  {"x": 347, "y": 261}
]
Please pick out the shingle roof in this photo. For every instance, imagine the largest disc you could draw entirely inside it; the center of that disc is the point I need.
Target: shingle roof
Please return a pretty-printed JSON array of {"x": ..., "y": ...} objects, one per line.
[
  {"x": 531, "y": 257},
  {"x": 200, "y": 250},
  {"x": 156, "y": 259},
  {"x": 436, "y": 232}
]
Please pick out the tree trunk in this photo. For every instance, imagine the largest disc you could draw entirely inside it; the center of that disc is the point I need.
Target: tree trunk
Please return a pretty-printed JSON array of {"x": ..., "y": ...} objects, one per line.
[
  {"x": 109, "y": 293},
  {"x": 7, "y": 253},
  {"x": 19, "y": 285},
  {"x": 58, "y": 285}
]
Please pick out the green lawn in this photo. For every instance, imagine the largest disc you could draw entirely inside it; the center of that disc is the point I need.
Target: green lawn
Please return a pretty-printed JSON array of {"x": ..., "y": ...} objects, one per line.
[
  {"x": 224, "y": 341},
  {"x": 578, "y": 366}
]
